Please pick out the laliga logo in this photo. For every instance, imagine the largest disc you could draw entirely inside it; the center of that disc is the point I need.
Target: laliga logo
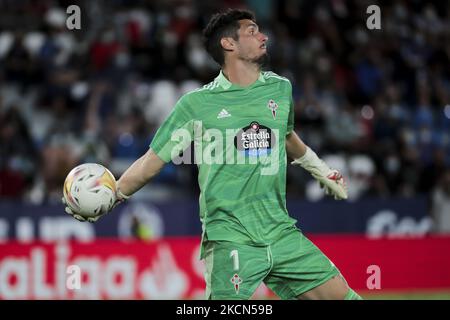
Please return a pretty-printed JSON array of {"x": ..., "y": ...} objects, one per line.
[{"x": 81, "y": 276}]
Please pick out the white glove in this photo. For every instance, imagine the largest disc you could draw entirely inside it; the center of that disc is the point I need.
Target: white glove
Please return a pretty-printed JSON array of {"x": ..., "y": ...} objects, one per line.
[
  {"x": 120, "y": 197},
  {"x": 330, "y": 179}
]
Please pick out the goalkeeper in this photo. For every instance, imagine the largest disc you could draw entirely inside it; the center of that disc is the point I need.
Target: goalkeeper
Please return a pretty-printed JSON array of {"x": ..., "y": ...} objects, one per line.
[{"x": 248, "y": 236}]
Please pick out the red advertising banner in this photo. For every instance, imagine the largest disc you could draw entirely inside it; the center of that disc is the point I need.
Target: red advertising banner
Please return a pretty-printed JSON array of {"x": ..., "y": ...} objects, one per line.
[
  {"x": 110, "y": 269},
  {"x": 414, "y": 263},
  {"x": 170, "y": 269}
]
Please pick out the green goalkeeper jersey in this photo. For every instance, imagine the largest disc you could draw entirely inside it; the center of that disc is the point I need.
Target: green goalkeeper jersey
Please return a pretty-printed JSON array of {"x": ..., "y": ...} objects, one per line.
[{"x": 239, "y": 146}]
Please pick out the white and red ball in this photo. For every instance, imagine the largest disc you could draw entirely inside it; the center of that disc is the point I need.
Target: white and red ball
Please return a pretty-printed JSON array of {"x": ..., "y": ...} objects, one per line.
[{"x": 90, "y": 189}]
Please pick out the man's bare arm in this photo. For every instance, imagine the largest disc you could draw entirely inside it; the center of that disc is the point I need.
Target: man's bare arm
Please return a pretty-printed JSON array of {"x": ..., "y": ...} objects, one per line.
[
  {"x": 140, "y": 173},
  {"x": 303, "y": 156},
  {"x": 295, "y": 147}
]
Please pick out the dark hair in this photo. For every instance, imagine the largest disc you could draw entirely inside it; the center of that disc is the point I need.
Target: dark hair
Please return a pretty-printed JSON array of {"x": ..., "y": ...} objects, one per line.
[{"x": 224, "y": 24}]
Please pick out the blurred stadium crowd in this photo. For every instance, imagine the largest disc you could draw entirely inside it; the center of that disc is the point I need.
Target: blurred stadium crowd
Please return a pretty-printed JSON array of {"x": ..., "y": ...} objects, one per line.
[{"x": 373, "y": 103}]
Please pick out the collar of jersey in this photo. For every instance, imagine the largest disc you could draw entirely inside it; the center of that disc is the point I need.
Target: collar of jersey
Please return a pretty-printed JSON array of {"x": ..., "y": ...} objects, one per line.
[{"x": 226, "y": 84}]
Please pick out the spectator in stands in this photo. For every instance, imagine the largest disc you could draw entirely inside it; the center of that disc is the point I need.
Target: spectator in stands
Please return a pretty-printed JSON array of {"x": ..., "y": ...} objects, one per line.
[
  {"x": 140, "y": 230},
  {"x": 17, "y": 155},
  {"x": 96, "y": 94}
]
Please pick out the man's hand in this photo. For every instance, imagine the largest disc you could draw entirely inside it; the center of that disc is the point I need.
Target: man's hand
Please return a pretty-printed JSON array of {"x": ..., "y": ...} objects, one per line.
[
  {"x": 120, "y": 197},
  {"x": 330, "y": 179}
]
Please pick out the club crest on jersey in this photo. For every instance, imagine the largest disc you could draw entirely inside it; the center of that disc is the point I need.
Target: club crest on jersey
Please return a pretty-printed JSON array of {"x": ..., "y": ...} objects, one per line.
[
  {"x": 236, "y": 281},
  {"x": 273, "y": 106}
]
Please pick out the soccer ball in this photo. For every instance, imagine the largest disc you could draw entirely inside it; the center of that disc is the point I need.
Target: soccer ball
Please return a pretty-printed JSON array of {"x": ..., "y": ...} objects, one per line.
[{"x": 90, "y": 189}]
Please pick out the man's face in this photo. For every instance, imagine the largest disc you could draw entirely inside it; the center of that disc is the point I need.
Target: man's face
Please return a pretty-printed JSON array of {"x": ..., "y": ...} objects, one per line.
[{"x": 251, "y": 46}]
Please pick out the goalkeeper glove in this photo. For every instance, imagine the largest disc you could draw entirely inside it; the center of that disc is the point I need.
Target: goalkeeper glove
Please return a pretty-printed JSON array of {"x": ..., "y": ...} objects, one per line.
[
  {"x": 120, "y": 197},
  {"x": 330, "y": 179}
]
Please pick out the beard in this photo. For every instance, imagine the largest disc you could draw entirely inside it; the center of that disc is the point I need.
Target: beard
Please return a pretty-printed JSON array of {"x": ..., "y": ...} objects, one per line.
[{"x": 262, "y": 61}]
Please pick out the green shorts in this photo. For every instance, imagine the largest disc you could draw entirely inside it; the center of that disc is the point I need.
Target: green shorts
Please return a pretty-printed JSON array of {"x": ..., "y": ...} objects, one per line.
[{"x": 289, "y": 267}]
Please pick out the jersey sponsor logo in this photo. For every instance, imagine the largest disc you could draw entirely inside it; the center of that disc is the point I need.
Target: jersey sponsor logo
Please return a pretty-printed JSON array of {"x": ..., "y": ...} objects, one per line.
[
  {"x": 255, "y": 144},
  {"x": 223, "y": 114},
  {"x": 273, "y": 106},
  {"x": 236, "y": 281},
  {"x": 254, "y": 140}
]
